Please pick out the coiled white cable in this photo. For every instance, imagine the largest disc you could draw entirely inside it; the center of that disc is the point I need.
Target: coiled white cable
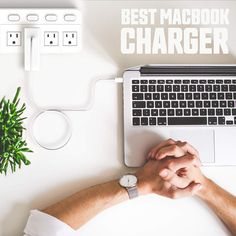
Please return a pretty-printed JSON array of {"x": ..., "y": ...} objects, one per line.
[{"x": 60, "y": 112}]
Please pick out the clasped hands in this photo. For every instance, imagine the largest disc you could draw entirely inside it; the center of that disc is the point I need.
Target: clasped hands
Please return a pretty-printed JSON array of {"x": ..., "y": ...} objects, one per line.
[{"x": 172, "y": 170}]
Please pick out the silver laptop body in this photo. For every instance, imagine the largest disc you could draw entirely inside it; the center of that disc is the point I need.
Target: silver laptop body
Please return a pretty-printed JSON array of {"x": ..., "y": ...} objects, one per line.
[{"x": 213, "y": 135}]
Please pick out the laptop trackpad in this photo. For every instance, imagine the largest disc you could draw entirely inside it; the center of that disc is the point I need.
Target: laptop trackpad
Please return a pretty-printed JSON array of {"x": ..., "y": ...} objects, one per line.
[{"x": 202, "y": 140}]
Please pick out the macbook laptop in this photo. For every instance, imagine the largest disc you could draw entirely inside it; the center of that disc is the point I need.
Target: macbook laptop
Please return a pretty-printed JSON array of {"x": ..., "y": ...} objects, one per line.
[{"x": 193, "y": 103}]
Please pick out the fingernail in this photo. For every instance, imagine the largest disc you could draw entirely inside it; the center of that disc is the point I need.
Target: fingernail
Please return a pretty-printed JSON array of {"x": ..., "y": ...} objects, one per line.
[{"x": 164, "y": 173}]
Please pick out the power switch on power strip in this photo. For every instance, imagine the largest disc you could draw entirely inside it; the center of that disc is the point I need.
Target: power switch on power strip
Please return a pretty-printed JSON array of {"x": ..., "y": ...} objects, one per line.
[{"x": 59, "y": 29}]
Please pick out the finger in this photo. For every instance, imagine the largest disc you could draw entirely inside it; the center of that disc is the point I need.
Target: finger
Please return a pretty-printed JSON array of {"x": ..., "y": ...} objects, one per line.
[
  {"x": 167, "y": 142},
  {"x": 175, "y": 180},
  {"x": 190, "y": 190},
  {"x": 186, "y": 161},
  {"x": 188, "y": 148},
  {"x": 171, "y": 150}
]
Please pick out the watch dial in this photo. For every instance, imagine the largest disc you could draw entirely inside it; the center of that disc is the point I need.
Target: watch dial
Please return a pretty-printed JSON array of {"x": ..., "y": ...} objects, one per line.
[{"x": 128, "y": 181}]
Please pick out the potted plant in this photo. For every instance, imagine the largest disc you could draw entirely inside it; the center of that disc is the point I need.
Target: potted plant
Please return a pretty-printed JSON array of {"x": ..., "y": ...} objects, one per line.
[{"x": 12, "y": 144}]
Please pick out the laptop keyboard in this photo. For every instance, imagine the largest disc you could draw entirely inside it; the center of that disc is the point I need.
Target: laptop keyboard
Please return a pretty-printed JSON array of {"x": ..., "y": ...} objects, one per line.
[{"x": 183, "y": 102}]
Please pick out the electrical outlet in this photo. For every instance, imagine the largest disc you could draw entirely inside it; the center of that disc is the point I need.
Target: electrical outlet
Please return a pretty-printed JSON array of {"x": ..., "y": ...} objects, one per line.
[
  {"x": 51, "y": 38},
  {"x": 70, "y": 38},
  {"x": 13, "y": 38}
]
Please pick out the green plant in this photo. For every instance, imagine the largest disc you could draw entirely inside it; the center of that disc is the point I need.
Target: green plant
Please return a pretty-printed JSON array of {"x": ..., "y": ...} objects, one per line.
[{"x": 12, "y": 144}]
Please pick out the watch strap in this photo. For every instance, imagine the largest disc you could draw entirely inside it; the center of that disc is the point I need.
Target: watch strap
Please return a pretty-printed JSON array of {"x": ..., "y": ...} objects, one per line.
[{"x": 132, "y": 192}]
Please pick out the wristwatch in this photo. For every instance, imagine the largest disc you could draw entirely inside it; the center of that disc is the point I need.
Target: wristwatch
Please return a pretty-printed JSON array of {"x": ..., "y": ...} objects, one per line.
[{"x": 129, "y": 182}]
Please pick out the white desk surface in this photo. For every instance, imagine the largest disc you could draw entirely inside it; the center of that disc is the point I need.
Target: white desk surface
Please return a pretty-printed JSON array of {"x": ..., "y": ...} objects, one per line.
[{"x": 95, "y": 152}]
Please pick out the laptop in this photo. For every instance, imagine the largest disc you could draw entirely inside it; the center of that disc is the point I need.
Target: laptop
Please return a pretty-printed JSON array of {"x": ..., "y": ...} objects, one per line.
[{"x": 193, "y": 103}]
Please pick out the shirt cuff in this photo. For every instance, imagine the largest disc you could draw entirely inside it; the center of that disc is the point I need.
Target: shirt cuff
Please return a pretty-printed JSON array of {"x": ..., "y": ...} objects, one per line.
[{"x": 42, "y": 224}]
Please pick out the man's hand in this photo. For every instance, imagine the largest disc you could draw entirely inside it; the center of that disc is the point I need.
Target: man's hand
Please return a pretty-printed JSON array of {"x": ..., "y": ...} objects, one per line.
[
  {"x": 184, "y": 154},
  {"x": 168, "y": 176}
]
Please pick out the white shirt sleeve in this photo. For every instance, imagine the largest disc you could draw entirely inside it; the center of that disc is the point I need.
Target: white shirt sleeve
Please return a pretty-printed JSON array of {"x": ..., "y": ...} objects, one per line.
[{"x": 42, "y": 224}]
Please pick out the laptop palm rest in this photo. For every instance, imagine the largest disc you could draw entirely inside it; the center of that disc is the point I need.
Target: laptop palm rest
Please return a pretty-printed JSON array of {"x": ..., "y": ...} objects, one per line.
[{"x": 203, "y": 141}]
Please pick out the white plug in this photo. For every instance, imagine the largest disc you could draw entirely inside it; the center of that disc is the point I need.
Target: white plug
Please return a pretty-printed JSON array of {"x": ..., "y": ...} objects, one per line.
[{"x": 32, "y": 48}]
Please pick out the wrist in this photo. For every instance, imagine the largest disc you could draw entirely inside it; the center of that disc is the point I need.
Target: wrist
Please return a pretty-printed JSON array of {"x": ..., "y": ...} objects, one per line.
[
  {"x": 203, "y": 192},
  {"x": 144, "y": 187}
]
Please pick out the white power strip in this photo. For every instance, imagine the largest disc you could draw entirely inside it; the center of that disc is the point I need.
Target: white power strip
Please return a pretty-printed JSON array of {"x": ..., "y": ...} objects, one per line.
[{"x": 60, "y": 29}]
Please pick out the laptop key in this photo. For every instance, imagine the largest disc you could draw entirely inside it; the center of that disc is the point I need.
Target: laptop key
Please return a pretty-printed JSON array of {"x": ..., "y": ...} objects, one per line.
[
  {"x": 204, "y": 96},
  {"x": 184, "y": 88},
  {"x": 188, "y": 96},
  {"x": 135, "y": 88},
  {"x": 174, "y": 104},
  {"x": 166, "y": 104},
  {"x": 160, "y": 88},
  {"x": 169, "y": 81},
  {"x": 202, "y": 81},
  {"x": 207, "y": 104},
  {"x": 229, "y": 96},
  {"x": 222, "y": 103},
  {"x": 136, "y": 121},
  {"x": 161, "y": 81},
  {"x": 219, "y": 112},
  {"x": 208, "y": 88},
  {"x": 144, "y": 121},
  {"x": 183, "y": 104},
  {"x": 211, "y": 112},
  {"x": 221, "y": 96},
  {"x": 161, "y": 121},
  {"x": 152, "y": 88},
  {"x": 224, "y": 88},
  {"x": 172, "y": 96},
  {"x": 146, "y": 112},
  {"x": 211, "y": 81},
  {"x": 187, "y": 120},
  {"x": 156, "y": 96},
  {"x": 135, "y": 81},
  {"x": 148, "y": 96},
  {"x": 152, "y": 121},
  {"x": 162, "y": 112},
  {"x": 154, "y": 112},
  {"x": 158, "y": 104},
  {"x": 216, "y": 88},
  {"x": 187, "y": 112},
  {"x": 185, "y": 81},
  {"x": 227, "y": 112},
  {"x": 177, "y": 81},
  {"x": 144, "y": 81},
  {"x": 143, "y": 88},
  {"x": 203, "y": 112},
  {"x": 212, "y": 120},
  {"x": 150, "y": 104},
  {"x": 152, "y": 81},
  {"x": 190, "y": 104},
  {"x": 168, "y": 88},
  {"x": 137, "y": 96},
  {"x": 234, "y": 112},
  {"x": 180, "y": 96},
  {"x": 229, "y": 122},
  {"x": 231, "y": 103},
  {"x": 232, "y": 88},
  {"x": 176, "y": 88},
  {"x": 164, "y": 96},
  {"x": 200, "y": 88},
  {"x": 196, "y": 96},
  {"x": 195, "y": 112},
  {"x": 212, "y": 96},
  {"x": 179, "y": 112},
  {"x": 171, "y": 112},
  {"x": 221, "y": 120},
  {"x": 199, "y": 104},
  {"x": 215, "y": 104},
  {"x": 137, "y": 112},
  {"x": 234, "y": 95},
  {"x": 219, "y": 81},
  {"x": 138, "y": 104},
  {"x": 192, "y": 88}
]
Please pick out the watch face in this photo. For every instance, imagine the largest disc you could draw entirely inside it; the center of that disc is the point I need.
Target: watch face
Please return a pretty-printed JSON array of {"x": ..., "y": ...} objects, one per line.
[{"x": 128, "y": 181}]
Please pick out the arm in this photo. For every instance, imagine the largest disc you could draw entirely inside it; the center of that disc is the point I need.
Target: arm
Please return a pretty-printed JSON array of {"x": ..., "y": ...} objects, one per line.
[
  {"x": 79, "y": 208},
  {"x": 221, "y": 202}
]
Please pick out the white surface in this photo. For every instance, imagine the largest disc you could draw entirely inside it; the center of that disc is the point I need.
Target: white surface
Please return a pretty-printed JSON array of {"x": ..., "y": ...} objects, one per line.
[{"x": 95, "y": 152}]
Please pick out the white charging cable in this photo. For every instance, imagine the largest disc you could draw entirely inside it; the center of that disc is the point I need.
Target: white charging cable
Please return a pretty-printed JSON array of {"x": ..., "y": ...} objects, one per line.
[{"x": 61, "y": 113}]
